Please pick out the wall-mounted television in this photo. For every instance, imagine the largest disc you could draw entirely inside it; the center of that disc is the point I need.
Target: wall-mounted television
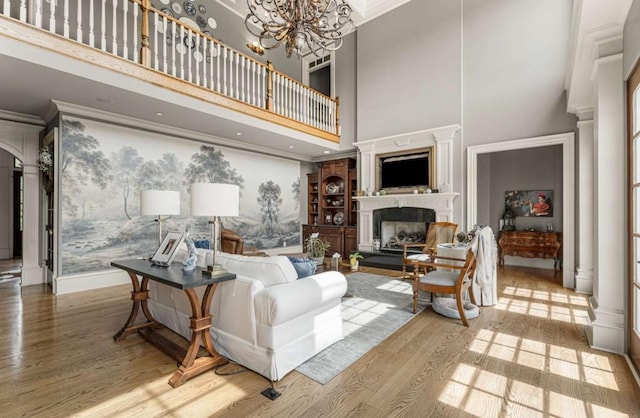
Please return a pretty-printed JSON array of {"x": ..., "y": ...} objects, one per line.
[{"x": 406, "y": 171}]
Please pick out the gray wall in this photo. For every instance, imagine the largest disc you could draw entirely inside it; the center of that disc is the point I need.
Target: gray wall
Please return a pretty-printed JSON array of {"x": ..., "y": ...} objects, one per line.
[
  {"x": 531, "y": 169},
  {"x": 631, "y": 38},
  {"x": 409, "y": 69},
  {"x": 515, "y": 58},
  {"x": 345, "y": 66}
]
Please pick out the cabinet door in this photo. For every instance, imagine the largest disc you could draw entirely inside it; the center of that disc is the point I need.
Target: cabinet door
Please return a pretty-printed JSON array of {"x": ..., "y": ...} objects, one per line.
[
  {"x": 350, "y": 240},
  {"x": 334, "y": 237}
]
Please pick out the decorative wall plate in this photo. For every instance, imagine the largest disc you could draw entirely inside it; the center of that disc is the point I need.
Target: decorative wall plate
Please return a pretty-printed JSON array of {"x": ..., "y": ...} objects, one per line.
[
  {"x": 202, "y": 9},
  {"x": 189, "y": 22},
  {"x": 212, "y": 23},
  {"x": 338, "y": 218},
  {"x": 189, "y": 8},
  {"x": 176, "y": 7},
  {"x": 201, "y": 22},
  {"x": 332, "y": 188},
  {"x": 168, "y": 12}
]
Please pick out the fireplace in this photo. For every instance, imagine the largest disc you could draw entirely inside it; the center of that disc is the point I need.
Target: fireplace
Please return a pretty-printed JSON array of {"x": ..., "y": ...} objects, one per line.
[{"x": 397, "y": 226}]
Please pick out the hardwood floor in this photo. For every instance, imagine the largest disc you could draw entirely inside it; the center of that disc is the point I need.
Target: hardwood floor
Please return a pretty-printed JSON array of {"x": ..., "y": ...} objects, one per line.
[{"x": 525, "y": 357}]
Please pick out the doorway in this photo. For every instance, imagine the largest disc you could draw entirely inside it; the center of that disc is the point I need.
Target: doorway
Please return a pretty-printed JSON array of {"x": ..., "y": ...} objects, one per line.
[
  {"x": 18, "y": 209},
  {"x": 568, "y": 187},
  {"x": 319, "y": 73}
]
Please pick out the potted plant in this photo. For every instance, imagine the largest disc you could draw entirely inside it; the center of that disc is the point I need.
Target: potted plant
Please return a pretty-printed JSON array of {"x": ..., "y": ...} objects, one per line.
[
  {"x": 316, "y": 248},
  {"x": 353, "y": 260}
]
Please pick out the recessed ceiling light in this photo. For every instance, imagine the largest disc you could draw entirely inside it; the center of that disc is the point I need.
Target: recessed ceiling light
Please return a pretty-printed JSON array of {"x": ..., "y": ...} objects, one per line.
[
  {"x": 103, "y": 100},
  {"x": 327, "y": 152},
  {"x": 159, "y": 114},
  {"x": 290, "y": 146},
  {"x": 239, "y": 133}
]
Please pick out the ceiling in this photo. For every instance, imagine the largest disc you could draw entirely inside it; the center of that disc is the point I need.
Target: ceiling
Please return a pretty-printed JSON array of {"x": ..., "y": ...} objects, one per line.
[{"x": 32, "y": 78}]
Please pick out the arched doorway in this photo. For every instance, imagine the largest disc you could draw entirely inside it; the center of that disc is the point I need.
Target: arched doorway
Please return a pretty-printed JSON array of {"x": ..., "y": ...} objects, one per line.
[{"x": 22, "y": 140}]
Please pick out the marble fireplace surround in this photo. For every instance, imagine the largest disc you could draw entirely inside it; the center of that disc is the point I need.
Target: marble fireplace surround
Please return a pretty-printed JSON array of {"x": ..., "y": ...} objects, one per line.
[{"x": 442, "y": 203}]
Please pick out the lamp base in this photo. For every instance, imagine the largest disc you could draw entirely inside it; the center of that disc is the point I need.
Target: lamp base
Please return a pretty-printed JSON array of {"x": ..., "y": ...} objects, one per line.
[{"x": 214, "y": 270}]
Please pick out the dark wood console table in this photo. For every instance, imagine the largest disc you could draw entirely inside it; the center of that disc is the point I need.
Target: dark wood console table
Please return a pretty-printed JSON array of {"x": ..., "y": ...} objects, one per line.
[
  {"x": 530, "y": 244},
  {"x": 140, "y": 272}
]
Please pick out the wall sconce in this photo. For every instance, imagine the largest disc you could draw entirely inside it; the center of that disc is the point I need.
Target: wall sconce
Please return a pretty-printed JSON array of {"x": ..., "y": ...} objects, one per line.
[{"x": 256, "y": 48}]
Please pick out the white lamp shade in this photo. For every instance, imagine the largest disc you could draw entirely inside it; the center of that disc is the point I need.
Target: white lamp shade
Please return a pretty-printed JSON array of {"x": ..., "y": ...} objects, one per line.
[
  {"x": 215, "y": 199},
  {"x": 159, "y": 202}
]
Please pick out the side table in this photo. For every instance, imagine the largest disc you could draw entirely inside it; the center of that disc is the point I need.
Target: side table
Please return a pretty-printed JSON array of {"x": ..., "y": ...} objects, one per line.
[{"x": 189, "y": 364}]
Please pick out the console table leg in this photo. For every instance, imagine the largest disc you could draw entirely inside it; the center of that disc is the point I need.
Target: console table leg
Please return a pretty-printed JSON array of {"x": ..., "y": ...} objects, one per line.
[
  {"x": 139, "y": 296},
  {"x": 192, "y": 365}
]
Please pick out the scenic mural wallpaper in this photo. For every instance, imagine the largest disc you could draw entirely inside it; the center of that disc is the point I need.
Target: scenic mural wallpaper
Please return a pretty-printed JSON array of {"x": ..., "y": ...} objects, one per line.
[{"x": 104, "y": 167}]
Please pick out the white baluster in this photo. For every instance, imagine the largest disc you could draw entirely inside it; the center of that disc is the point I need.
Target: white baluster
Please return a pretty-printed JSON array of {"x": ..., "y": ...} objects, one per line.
[
  {"x": 204, "y": 60},
  {"x": 182, "y": 54},
  {"x": 224, "y": 75},
  {"x": 197, "y": 66},
  {"x": 38, "y": 11},
  {"x": 253, "y": 83},
  {"x": 165, "y": 34},
  {"x": 79, "y": 21},
  {"x": 326, "y": 113},
  {"x": 245, "y": 95},
  {"x": 212, "y": 86},
  {"x": 173, "y": 48},
  {"x": 136, "y": 9},
  {"x": 305, "y": 105},
  {"x": 92, "y": 35},
  {"x": 114, "y": 29},
  {"x": 52, "y": 14},
  {"x": 23, "y": 12},
  {"x": 125, "y": 40},
  {"x": 103, "y": 24},
  {"x": 218, "y": 56},
  {"x": 189, "y": 54},
  {"x": 6, "y": 8},
  {"x": 65, "y": 19},
  {"x": 155, "y": 40},
  {"x": 237, "y": 77}
]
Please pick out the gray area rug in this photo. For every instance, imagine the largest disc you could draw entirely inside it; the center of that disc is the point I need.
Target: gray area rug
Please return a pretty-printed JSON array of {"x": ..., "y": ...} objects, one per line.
[{"x": 379, "y": 306}]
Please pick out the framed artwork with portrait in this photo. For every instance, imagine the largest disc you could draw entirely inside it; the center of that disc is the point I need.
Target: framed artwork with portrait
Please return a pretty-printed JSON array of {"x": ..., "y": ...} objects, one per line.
[{"x": 531, "y": 203}]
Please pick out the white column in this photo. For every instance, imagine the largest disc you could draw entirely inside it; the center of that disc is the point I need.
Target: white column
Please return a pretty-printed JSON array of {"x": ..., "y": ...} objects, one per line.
[
  {"x": 606, "y": 330},
  {"x": 584, "y": 272},
  {"x": 444, "y": 158},
  {"x": 32, "y": 272}
]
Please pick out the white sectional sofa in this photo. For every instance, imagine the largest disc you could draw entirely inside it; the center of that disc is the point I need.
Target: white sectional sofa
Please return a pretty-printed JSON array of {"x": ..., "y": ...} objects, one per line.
[{"x": 267, "y": 319}]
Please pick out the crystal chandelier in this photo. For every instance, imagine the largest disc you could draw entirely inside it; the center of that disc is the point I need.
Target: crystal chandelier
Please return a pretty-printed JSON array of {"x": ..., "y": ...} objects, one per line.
[{"x": 317, "y": 25}]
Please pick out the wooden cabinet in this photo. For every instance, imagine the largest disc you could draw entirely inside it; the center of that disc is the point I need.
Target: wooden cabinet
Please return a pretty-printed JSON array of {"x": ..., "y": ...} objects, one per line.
[
  {"x": 313, "y": 200},
  {"x": 332, "y": 211},
  {"x": 342, "y": 239},
  {"x": 530, "y": 244},
  {"x": 335, "y": 191}
]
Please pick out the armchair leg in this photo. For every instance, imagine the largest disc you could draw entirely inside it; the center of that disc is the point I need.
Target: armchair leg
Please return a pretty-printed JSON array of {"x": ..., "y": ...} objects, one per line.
[{"x": 461, "y": 311}]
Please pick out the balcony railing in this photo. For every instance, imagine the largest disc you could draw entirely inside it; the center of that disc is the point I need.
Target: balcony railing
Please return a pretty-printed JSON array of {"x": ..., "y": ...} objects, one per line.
[{"x": 135, "y": 31}]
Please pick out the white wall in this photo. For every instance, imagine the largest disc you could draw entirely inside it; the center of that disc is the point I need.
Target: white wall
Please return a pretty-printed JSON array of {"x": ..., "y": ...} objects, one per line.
[{"x": 6, "y": 204}]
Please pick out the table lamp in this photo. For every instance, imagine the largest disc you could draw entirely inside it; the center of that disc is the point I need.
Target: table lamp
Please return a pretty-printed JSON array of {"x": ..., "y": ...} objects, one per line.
[
  {"x": 160, "y": 203},
  {"x": 215, "y": 200}
]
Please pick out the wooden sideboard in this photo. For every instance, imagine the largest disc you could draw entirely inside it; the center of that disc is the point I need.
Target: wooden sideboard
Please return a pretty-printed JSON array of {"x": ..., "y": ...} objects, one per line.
[{"x": 530, "y": 244}]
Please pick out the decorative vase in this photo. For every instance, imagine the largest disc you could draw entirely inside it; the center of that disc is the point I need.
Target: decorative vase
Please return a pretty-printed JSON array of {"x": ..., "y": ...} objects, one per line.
[{"x": 354, "y": 265}]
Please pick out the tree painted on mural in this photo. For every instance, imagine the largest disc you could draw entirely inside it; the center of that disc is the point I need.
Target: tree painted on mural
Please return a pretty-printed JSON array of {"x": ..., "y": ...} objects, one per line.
[
  {"x": 269, "y": 200},
  {"x": 125, "y": 163},
  {"x": 209, "y": 165},
  {"x": 81, "y": 161},
  {"x": 171, "y": 171},
  {"x": 295, "y": 190}
]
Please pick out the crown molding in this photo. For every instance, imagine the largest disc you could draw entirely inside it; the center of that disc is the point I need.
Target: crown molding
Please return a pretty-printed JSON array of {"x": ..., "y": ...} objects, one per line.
[{"x": 21, "y": 118}]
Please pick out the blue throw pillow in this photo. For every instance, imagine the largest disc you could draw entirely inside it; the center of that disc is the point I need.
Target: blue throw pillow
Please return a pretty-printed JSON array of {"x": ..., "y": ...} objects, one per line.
[
  {"x": 304, "y": 267},
  {"x": 201, "y": 243}
]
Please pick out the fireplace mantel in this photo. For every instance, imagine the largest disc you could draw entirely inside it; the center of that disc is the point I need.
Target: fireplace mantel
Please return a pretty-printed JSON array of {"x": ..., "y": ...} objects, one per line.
[{"x": 441, "y": 203}]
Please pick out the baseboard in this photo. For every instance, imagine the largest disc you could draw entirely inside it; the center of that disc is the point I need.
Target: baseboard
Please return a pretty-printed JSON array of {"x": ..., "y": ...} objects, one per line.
[
  {"x": 540, "y": 263},
  {"x": 32, "y": 276},
  {"x": 90, "y": 281}
]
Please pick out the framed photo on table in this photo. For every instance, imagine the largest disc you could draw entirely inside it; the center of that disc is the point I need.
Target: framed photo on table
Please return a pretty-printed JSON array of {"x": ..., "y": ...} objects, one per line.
[{"x": 167, "y": 251}]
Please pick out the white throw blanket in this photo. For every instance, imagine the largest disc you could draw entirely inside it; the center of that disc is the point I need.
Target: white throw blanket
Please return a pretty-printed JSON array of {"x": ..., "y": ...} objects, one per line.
[{"x": 485, "y": 248}]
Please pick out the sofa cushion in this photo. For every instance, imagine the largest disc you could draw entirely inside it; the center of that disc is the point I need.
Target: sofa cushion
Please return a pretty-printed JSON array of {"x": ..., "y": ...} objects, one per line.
[
  {"x": 304, "y": 267},
  {"x": 269, "y": 270}
]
